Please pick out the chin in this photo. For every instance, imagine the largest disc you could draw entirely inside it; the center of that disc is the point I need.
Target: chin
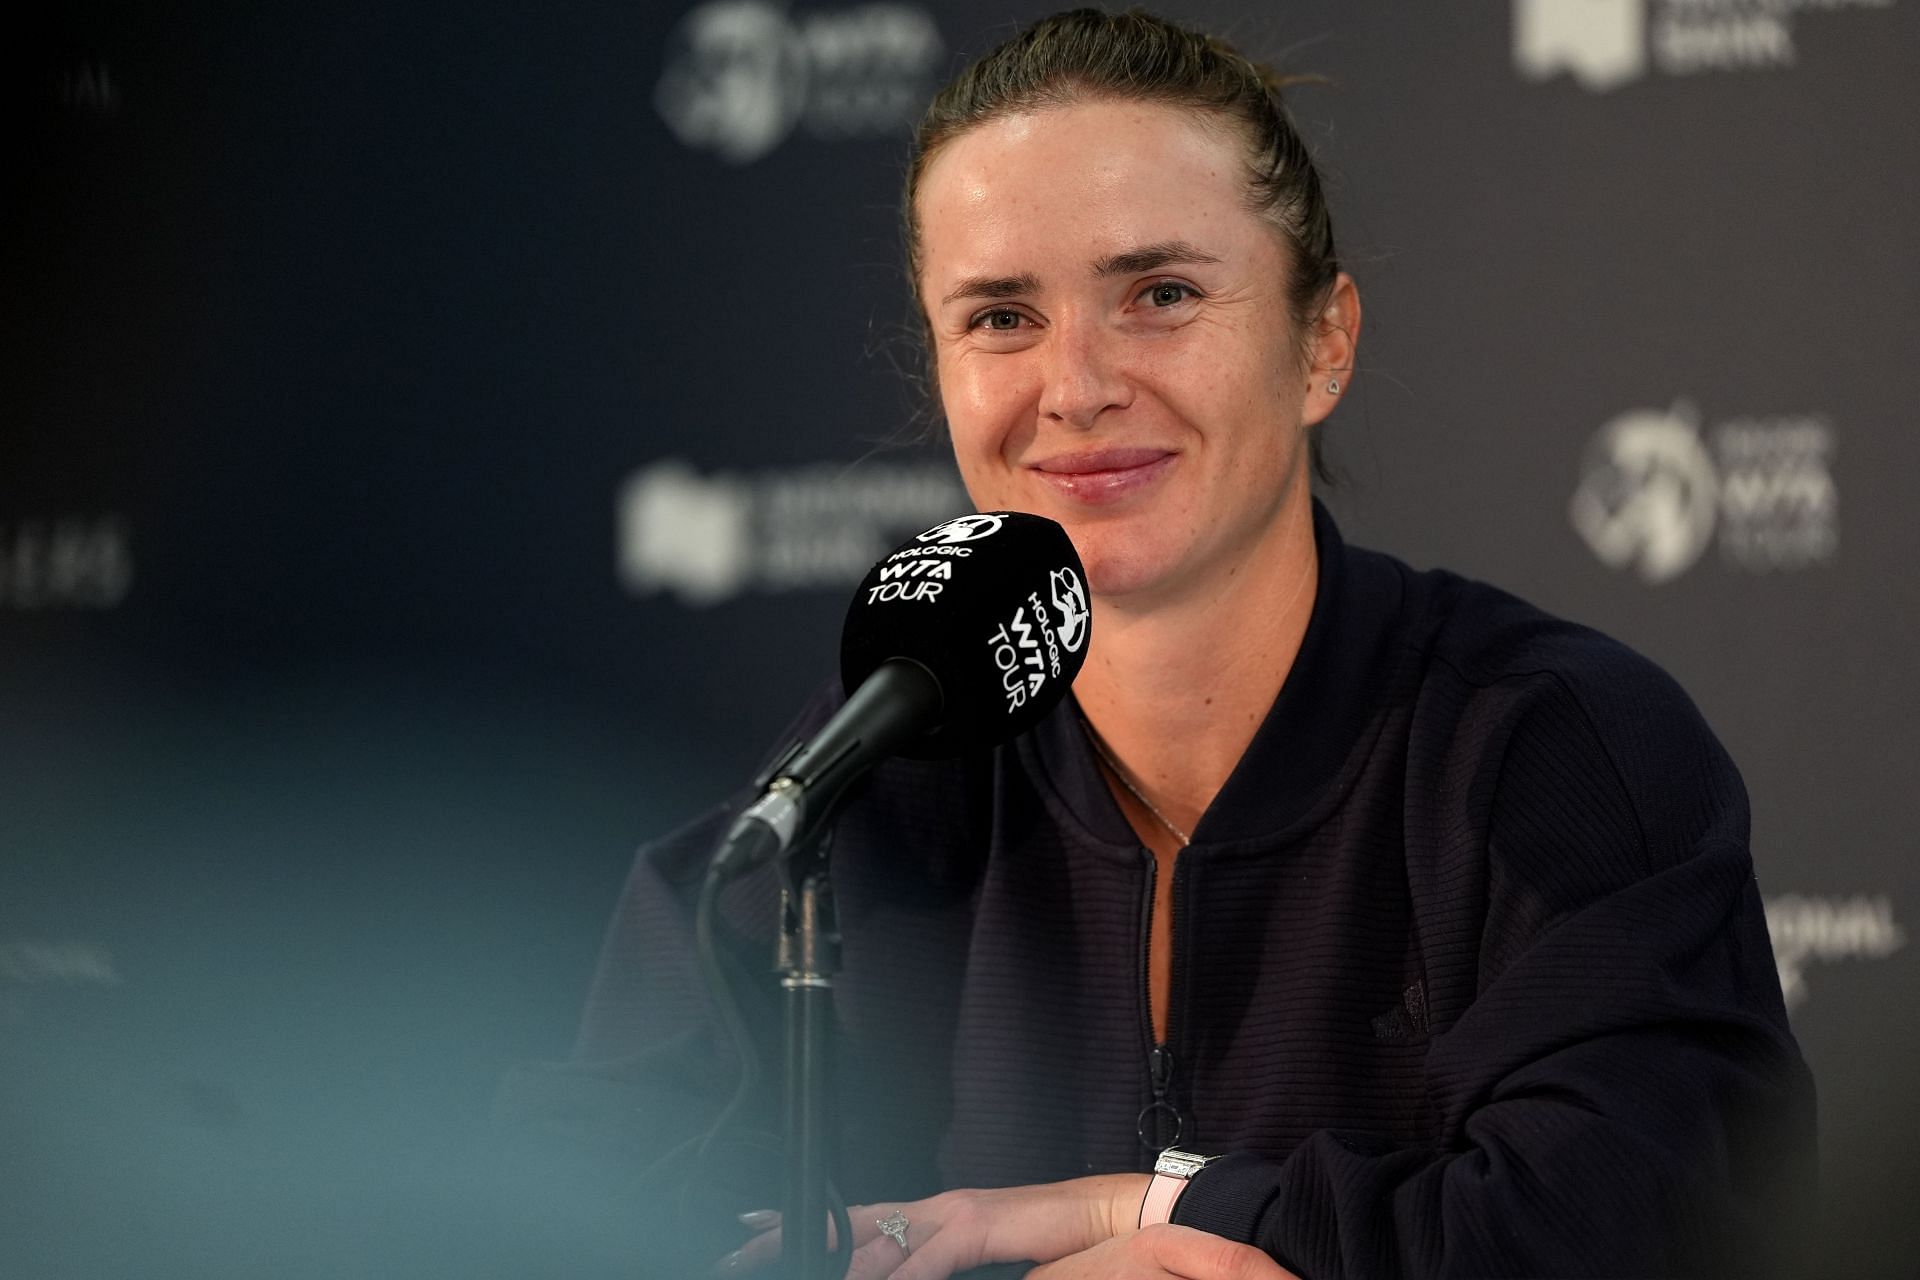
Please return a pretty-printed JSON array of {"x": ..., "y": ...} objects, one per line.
[
  {"x": 1119, "y": 550},
  {"x": 1116, "y": 569}
]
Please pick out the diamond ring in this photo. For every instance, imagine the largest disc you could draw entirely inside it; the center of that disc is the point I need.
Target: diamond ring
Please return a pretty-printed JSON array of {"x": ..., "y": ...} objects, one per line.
[{"x": 894, "y": 1226}]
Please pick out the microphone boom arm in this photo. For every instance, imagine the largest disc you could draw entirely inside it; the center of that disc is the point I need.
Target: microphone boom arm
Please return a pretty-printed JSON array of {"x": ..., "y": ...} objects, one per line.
[{"x": 895, "y": 705}]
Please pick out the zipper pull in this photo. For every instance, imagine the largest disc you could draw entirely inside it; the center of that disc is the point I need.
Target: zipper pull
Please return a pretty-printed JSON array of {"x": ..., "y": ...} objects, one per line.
[{"x": 1160, "y": 1115}]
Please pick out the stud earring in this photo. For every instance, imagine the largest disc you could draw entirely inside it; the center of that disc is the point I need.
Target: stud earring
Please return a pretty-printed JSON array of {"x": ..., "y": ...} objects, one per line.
[{"x": 1333, "y": 386}]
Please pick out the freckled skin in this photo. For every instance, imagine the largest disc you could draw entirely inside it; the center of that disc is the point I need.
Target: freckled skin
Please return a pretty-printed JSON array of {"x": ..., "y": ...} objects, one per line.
[{"x": 1086, "y": 362}]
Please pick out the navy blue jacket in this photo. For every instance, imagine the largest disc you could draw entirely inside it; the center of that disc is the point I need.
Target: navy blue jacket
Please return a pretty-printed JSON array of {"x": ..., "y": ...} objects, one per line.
[{"x": 1471, "y": 974}]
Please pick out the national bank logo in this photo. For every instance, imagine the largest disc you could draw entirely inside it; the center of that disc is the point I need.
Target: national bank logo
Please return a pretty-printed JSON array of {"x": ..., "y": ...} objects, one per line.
[
  {"x": 708, "y": 538},
  {"x": 1601, "y": 43},
  {"x": 741, "y": 75},
  {"x": 1604, "y": 44},
  {"x": 1656, "y": 490}
]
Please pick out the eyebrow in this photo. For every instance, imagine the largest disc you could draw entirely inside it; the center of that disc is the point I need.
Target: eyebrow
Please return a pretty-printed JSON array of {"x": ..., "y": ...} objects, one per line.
[
  {"x": 994, "y": 287},
  {"x": 1151, "y": 257}
]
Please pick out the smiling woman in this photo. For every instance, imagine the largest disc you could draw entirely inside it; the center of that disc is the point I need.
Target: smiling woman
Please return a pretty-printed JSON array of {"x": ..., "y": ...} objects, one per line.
[
  {"x": 1119, "y": 355},
  {"x": 1347, "y": 920}
]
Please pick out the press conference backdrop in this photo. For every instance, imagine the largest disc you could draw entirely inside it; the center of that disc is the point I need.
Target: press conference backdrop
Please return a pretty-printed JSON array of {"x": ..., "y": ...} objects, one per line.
[{"x": 437, "y": 443}]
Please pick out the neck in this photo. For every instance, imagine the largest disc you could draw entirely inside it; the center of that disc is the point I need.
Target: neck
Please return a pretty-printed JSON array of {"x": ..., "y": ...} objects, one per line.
[{"x": 1177, "y": 691}]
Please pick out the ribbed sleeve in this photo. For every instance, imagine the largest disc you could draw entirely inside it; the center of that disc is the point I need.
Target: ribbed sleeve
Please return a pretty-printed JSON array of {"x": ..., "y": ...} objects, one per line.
[{"x": 1618, "y": 1096}]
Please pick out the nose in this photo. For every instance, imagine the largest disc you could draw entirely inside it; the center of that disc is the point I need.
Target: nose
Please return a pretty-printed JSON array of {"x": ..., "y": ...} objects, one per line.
[{"x": 1084, "y": 374}]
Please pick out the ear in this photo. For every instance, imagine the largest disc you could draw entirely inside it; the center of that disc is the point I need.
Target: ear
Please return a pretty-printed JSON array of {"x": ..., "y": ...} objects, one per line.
[{"x": 1333, "y": 344}]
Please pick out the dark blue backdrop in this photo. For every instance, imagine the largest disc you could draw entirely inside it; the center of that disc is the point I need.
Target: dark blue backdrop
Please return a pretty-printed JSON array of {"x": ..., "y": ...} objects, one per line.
[{"x": 368, "y": 371}]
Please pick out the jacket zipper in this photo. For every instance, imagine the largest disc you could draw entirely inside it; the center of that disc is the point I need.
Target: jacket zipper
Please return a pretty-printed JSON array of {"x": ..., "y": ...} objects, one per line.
[{"x": 1159, "y": 1123}]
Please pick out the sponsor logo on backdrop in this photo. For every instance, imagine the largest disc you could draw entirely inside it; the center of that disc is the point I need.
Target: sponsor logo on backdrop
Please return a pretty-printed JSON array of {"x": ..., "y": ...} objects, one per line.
[
  {"x": 88, "y": 88},
  {"x": 1657, "y": 489},
  {"x": 1604, "y": 44},
  {"x": 708, "y": 538},
  {"x": 73, "y": 562},
  {"x": 1808, "y": 930},
  {"x": 741, "y": 75}
]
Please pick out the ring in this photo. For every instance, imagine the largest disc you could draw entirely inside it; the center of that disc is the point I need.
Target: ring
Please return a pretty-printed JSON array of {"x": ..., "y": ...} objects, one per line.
[{"x": 894, "y": 1226}]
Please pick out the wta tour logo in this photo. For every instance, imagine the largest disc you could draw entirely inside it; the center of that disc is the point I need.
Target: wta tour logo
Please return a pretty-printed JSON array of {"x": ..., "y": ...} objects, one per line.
[
  {"x": 1026, "y": 648},
  {"x": 1069, "y": 597},
  {"x": 1655, "y": 492},
  {"x": 961, "y": 529},
  {"x": 1604, "y": 44},
  {"x": 741, "y": 74}
]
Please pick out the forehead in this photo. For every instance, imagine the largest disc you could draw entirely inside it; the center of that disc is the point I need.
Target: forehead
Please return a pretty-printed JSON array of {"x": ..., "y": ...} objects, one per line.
[{"x": 1089, "y": 179}]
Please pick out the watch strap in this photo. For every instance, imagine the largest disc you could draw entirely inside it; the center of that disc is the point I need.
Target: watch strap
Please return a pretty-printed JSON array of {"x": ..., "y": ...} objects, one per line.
[{"x": 1171, "y": 1174}]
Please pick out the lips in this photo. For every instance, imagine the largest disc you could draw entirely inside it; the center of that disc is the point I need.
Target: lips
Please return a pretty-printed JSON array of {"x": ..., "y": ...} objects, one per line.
[{"x": 1104, "y": 475}]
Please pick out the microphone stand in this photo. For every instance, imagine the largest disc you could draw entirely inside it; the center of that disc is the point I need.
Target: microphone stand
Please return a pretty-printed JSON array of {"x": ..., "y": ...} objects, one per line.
[{"x": 809, "y": 956}]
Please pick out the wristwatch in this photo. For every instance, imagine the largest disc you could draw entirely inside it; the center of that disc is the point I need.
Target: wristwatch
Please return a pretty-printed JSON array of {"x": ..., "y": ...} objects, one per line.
[{"x": 1171, "y": 1174}]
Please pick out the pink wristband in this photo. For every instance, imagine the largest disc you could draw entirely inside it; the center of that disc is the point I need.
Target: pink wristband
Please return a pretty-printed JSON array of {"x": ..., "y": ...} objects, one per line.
[
  {"x": 1162, "y": 1192},
  {"x": 1171, "y": 1174}
]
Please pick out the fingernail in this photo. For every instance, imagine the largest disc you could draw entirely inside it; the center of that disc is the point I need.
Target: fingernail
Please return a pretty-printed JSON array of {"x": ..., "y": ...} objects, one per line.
[
  {"x": 727, "y": 1265},
  {"x": 760, "y": 1219}
]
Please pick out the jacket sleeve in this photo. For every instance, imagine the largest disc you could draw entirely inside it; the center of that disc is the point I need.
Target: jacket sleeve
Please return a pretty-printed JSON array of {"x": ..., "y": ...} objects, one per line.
[
  {"x": 1621, "y": 1096},
  {"x": 603, "y": 1153},
  {"x": 608, "y": 1149}
]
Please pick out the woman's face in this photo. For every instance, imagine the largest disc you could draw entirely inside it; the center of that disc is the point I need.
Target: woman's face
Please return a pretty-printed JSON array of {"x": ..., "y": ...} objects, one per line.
[{"x": 1113, "y": 341}]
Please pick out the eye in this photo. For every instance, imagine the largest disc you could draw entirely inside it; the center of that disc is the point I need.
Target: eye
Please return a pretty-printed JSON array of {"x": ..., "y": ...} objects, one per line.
[
  {"x": 1168, "y": 293},
  {"x": 1000, "y": 319}
]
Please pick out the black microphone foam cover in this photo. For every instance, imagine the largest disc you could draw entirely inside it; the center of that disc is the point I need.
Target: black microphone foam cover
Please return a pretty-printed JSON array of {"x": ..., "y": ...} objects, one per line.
[{"x": 994, "y": 605}]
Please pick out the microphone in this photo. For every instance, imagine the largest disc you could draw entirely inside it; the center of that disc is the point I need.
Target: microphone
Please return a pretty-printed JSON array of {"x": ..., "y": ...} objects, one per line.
[{"x": 962, "y": 637}]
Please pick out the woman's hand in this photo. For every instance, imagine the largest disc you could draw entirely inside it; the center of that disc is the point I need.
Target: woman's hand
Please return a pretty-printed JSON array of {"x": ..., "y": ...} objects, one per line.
[
  {"x": 1165, "y": 1251},
  {"x": 958, "y": 1230}
]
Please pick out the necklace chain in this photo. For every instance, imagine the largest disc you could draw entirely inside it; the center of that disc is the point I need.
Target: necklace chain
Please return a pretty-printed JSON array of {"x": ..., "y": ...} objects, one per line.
[{"x": 1100, "y": 749}]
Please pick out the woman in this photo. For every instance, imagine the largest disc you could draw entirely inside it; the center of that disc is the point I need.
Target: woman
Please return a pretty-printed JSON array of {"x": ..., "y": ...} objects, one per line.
[{"x": 1429, "y": 915}]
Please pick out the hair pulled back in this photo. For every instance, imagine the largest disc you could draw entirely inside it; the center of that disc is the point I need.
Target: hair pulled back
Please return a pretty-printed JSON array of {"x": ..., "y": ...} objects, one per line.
[{"x": 1087, "y": 55}]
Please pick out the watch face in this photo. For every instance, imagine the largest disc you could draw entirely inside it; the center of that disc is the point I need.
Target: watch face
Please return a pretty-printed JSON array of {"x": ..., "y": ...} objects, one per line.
[{"x": 1180, "y": 1164}]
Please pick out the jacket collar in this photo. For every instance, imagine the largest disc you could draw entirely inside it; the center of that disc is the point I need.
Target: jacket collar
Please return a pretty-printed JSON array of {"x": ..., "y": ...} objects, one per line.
[{"x": 1323, "y": 717}]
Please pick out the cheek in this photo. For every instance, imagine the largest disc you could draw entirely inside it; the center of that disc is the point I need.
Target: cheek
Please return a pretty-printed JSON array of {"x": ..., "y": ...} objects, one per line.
[
  {"x": 1215, "y": 357},
  {"x": 1264, "y": 385},
  {"x": 969, "y": 432},
  {"x": 984, "y": 400}
]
